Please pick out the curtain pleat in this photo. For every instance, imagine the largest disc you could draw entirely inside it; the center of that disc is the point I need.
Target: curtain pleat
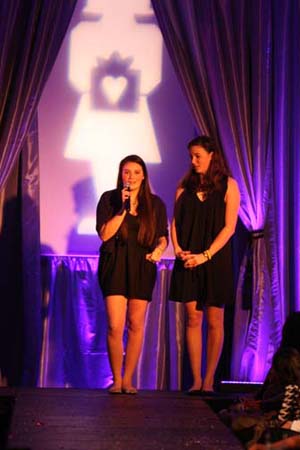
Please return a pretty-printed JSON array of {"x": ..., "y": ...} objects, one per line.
[
  {"x": 247, "y": 363},
  {"x": 74, "y": 350},
  {"x": 30, "y": 255},
  {"x": 30, "y": 34},
  {"x": 234, "y": 62}
]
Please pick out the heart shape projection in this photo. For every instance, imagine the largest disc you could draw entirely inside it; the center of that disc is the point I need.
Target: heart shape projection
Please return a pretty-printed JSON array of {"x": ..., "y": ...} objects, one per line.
[{"x": 114, "y": 87}]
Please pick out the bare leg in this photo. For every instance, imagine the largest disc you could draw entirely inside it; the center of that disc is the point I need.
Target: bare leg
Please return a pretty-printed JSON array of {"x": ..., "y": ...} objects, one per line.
[
  {"x": 194, "y": 342},
  {"x": 215, "y": 339},
  {"x": 116, "y": 306},
  {"x": 136, "y": 323}
]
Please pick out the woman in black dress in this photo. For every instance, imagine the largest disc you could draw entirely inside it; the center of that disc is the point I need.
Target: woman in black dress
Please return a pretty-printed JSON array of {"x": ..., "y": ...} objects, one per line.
[
  {"x": 205, "y": 216},
  {"x": 132, "y": 223}
]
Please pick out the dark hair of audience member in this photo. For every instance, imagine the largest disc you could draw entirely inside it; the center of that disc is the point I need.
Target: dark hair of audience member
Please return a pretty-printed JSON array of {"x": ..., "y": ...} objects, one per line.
[{"x": 285, "y": 369}]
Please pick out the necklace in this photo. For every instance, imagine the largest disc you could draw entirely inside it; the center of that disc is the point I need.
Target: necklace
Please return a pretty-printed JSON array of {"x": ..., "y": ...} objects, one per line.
[{"x": 133, "y": 207}]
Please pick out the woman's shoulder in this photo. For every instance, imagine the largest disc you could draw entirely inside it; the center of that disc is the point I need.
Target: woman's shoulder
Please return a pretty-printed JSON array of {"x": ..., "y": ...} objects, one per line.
[
  {"x": 227, "y": 181},
  {"x": 232, "y": 184},
  {"x": 231, "y": 180},
  {"x": 108, "y": 199},
  {"x": 109, "y": 194},
  {"x": 179, "y": 191},
  {"x": 232, "y": 192}
]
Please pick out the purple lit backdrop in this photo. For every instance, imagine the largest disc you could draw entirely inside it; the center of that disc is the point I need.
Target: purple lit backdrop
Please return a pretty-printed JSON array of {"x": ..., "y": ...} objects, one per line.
[
  {"x": 253, "y": 109},
  {"x": 234, "y": 64},
  {"x": 74, "y": 335},
  {"x": 77, "y": 162}
]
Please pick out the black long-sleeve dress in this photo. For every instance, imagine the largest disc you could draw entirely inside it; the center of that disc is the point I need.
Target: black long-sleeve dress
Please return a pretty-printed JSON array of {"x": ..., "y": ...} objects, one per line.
[
  {"x": 123, "y": 268},
  {"x": 197, "y": 224}
]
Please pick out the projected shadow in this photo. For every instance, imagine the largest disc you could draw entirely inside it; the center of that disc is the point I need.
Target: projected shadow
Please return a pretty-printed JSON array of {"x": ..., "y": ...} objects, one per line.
[
  {"x": 109, "y": 96},
  {"x": 80, "y": 239}
]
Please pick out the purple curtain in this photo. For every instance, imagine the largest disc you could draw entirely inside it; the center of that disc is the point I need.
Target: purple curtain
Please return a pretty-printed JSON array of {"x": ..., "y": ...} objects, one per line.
[
  {"x": 74, "y": 350},
  {"x": 238, "y": 64},
  {"x": 30, "y": 34}
]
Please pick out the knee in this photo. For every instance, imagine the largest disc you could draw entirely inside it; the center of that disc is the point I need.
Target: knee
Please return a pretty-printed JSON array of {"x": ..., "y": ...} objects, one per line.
[
  {"x": 115, "y": 330},
  {"x": 194, "y": 321},
  {"x": 215, "y": 325},
  {"x": 135, "y": 326}
]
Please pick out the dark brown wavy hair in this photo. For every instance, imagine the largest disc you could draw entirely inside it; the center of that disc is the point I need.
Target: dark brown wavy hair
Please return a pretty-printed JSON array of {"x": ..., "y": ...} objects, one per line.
[
  {"x": 146, "y": 214},
  {"x": 285, "y": 367},
  {"x": 218, "y": 169}
]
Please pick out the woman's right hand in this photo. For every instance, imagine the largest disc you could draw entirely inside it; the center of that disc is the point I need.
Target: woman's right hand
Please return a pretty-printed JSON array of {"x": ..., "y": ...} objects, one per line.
[
  {"x": 125, "y": 194},
  {"x": 180, "y": 254}
]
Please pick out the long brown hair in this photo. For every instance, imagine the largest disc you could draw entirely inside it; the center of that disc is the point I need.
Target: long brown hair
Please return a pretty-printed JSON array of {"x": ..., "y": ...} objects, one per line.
[
  {"x": 145, "y": 210},
  {"x": 211, "y": 180}
]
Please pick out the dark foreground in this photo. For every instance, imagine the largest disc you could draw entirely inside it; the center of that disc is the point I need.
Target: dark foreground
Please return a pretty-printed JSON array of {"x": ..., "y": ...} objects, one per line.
[{"x": 73, "y": 419}]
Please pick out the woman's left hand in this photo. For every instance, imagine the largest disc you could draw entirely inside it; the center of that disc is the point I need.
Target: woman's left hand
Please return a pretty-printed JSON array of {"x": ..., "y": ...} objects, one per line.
[
  {"x": 193, "y": 260},
  {"x": 155, "y": 256}
]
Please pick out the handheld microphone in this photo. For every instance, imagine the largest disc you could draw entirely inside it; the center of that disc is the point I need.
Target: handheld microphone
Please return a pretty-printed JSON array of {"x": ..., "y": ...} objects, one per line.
[{"x": 127, "y": 201}]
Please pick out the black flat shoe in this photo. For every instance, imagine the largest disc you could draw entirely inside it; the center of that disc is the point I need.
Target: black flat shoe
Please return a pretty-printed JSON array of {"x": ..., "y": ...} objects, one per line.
[
  {"x": 114, "y": 390},
  {"x": 194, "y": 392},
  {"x": 130, "y": 391}
]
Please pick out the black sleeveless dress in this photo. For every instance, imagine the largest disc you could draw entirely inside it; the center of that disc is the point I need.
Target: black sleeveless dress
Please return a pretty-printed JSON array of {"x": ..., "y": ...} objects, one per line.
[
  {"x": 123, "y": 268},
  {"x": 197, "y": 224}
]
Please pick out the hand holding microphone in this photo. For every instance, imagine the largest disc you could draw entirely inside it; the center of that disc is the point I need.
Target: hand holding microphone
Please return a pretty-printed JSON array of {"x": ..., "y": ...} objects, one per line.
[{"x": 126, "y": 196}]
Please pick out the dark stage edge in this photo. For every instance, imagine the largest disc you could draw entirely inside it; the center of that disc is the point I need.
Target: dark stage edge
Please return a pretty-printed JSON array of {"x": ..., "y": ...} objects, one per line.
[
  {"x": 75, "y": 419},
  {"x": 7, "y": 400}
]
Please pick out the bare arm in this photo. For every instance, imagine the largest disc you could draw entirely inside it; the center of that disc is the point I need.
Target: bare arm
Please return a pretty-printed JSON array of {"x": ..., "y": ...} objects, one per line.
[
  {"x": 158, "y": 251},
  {"x": 162, "y": 241},
  {"x": 232, "y": 200},
  {"x": 174, "y": 240},
  {"x": 110, "y": 228},
  {"x": 179, "y": 253}
]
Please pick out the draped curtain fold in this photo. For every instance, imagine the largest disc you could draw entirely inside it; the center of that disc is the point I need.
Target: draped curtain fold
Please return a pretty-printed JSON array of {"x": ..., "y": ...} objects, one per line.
[
  {"x": 228, "y": 57},
  {"x": 74, "y": 350},
  {"x": 239, "y": 66},
  {"x": 286, "y": 155},
  {"x": 31, "y": 34}
]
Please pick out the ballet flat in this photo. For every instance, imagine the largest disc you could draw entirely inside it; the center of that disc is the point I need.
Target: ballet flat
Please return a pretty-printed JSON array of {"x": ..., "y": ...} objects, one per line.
[
  {"x": 114, "y": 390},
  {"x": 130, "y": 391},
  {"x": 194, "y": 392}
]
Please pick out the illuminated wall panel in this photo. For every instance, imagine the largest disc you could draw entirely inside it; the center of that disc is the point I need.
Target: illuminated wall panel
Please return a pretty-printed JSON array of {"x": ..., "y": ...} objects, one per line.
[{"x": 112, "y": 93}]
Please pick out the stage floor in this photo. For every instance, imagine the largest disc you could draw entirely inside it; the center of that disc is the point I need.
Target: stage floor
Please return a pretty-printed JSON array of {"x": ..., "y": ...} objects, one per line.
[{"x": 71, "y": 419}]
